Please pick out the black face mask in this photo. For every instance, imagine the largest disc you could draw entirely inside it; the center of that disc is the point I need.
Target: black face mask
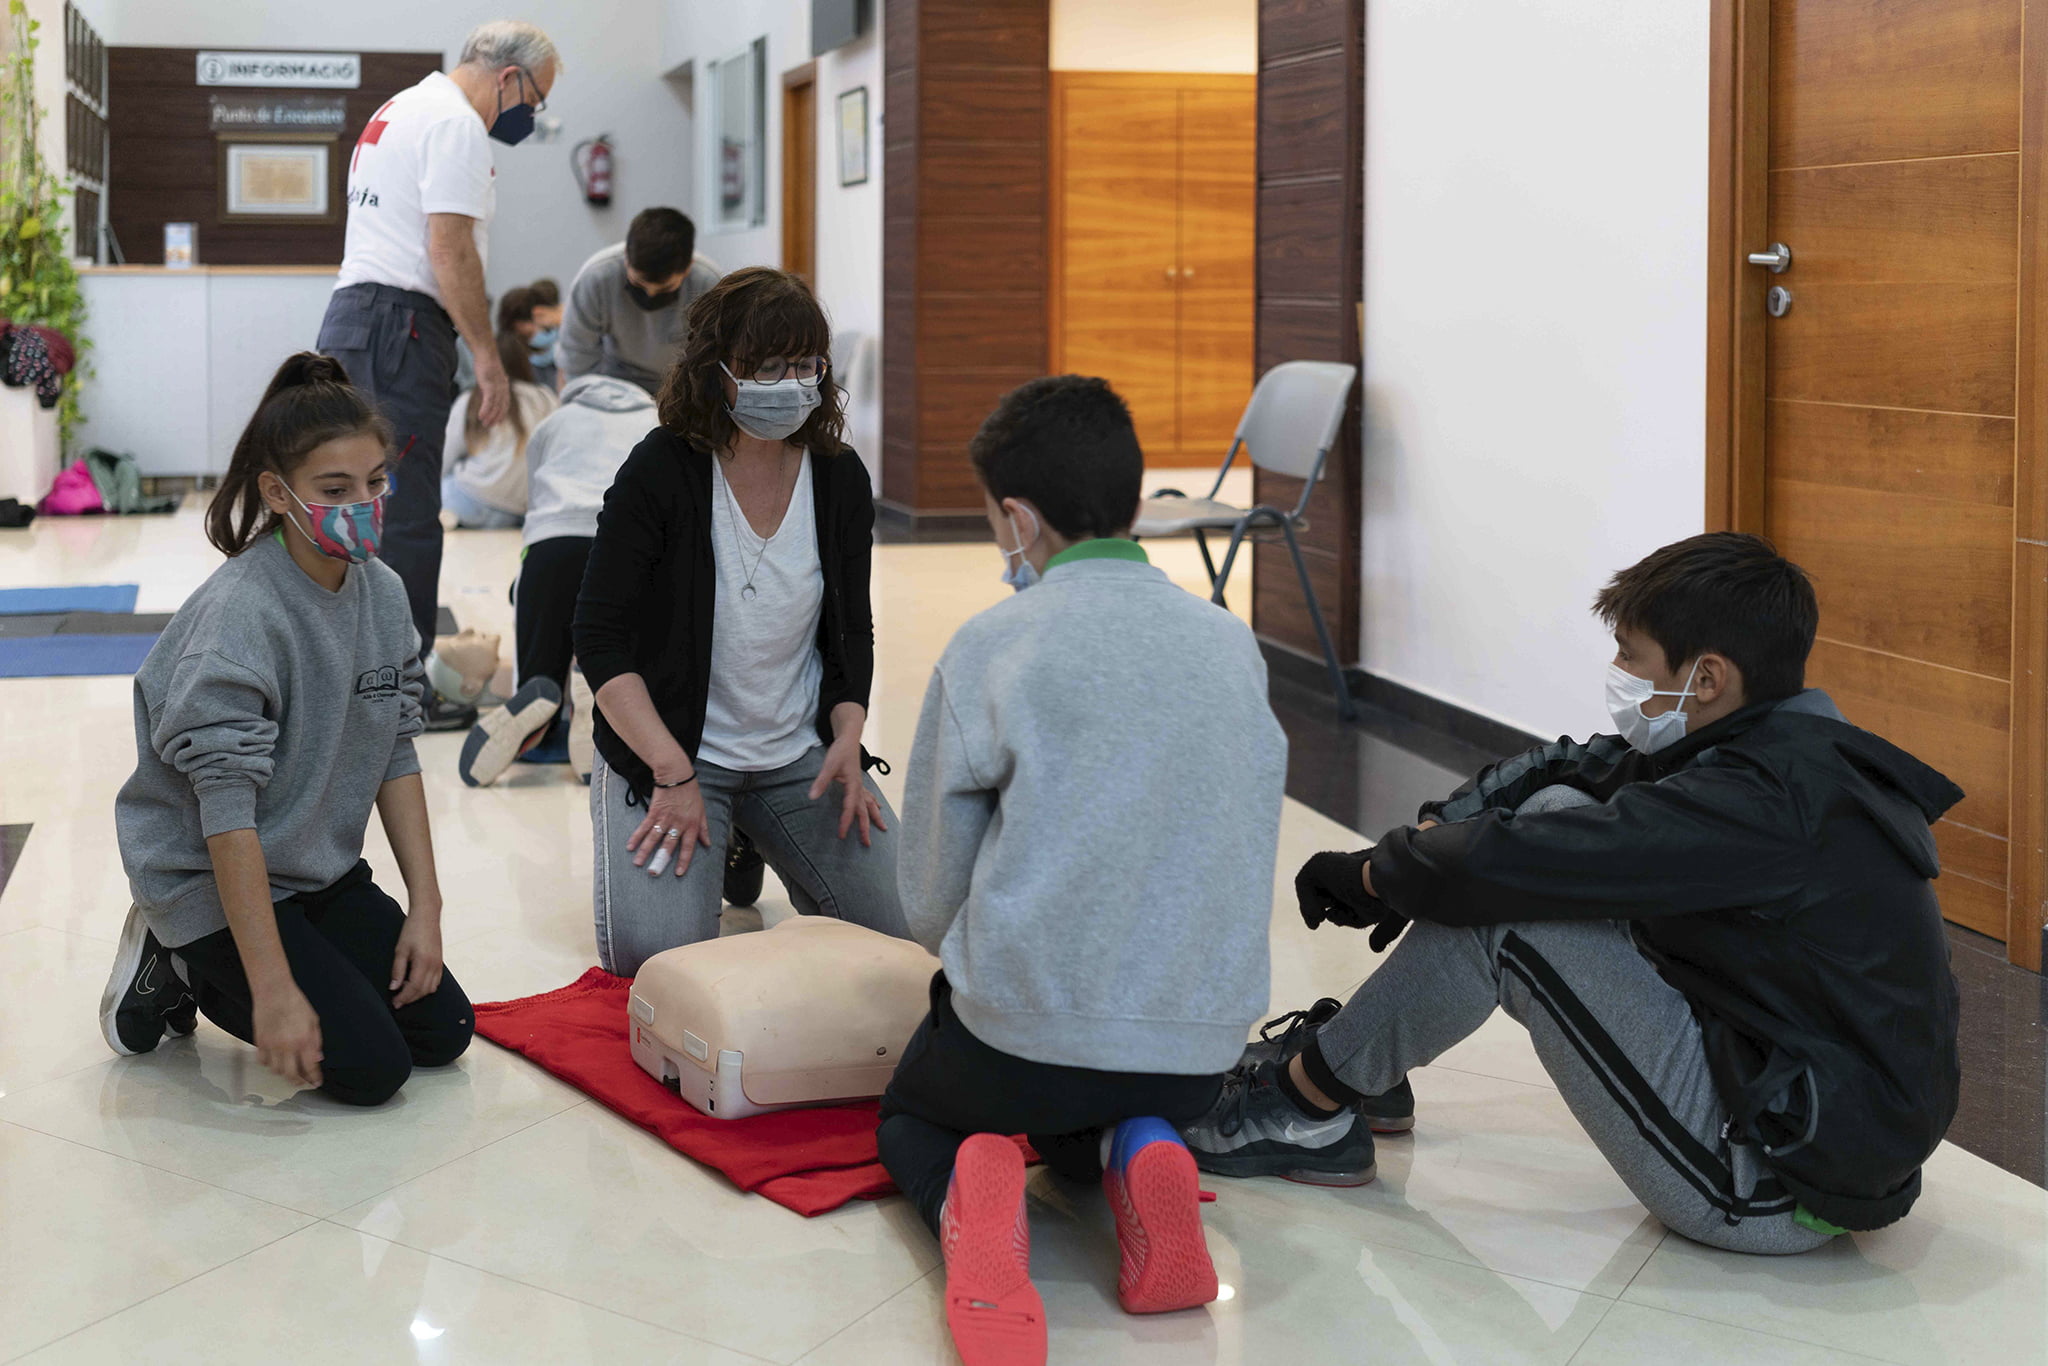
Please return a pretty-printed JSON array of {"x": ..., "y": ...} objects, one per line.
[{"x": 650, "y": 302}]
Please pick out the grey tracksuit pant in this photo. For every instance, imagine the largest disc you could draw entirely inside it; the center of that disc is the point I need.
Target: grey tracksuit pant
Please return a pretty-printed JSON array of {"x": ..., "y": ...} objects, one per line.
[{"x": 1620, "y": 1043}]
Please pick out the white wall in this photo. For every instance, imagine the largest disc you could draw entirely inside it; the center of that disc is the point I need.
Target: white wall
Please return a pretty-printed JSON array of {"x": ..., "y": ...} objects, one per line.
[
  {"x": 610, "y": 83},
  {"x": 1535, "y": 321},
  {"x": 1155, "y": 35},
  {"x": 849, "y": 218}
]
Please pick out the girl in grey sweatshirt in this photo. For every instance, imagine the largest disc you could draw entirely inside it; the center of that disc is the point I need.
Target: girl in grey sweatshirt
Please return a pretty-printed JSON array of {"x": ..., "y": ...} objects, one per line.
[{"x": 275, "y": 710}]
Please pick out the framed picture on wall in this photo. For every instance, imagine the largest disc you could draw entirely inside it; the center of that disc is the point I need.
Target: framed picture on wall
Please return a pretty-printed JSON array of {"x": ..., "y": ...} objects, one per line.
[
  {"x": 282, "y": 180},
  {"x": 853, "y": 136}
]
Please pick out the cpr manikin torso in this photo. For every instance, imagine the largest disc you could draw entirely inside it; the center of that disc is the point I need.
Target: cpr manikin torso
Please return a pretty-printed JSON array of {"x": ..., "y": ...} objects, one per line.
[{"x": 811, "y": 1012}]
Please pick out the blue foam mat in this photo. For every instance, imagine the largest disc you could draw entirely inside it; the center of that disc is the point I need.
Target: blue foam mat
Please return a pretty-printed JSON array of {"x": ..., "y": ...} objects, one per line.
[
  {"x": 72, "y": 656},
  {"x": 90, "y": 597}
]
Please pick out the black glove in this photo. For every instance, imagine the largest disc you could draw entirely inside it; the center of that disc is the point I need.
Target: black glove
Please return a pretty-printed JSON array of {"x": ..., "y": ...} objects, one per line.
[{"x": 1331, "y": 887}]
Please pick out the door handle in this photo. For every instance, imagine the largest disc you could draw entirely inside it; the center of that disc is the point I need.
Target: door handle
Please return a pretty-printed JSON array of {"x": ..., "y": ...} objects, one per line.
[
  {"x": 1777, "y": 260},
  {"x": 1170, "y": 274}
]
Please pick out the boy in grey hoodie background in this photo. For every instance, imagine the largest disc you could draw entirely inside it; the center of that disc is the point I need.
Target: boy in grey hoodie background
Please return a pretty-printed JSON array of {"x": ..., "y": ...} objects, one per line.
[
  {"x": 1090, "y": 820},
  {"x": 571, "y": 458}
]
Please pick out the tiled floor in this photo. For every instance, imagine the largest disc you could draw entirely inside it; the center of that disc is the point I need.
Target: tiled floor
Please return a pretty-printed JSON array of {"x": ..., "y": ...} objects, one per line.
[{"x": 184, "y": 1207}]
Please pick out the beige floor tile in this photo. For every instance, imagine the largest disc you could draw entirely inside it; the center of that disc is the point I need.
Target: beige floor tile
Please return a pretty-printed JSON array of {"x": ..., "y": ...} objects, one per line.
[
  {"x": 83, "y": 1235},
  {"x": 588, "y": 1206},
  {"x": 1632, "y": 1335},
  {"x": 204, "y": 1107},
  {"x": 330, "y": 1295},
  {"x": 51, "y": 983},
  {"x": 1963, "y": 1278},
  {"x": 1305, "y": 1292}
]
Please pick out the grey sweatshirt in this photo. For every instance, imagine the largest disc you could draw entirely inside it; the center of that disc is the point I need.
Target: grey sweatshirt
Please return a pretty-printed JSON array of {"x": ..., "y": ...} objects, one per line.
[
  {"x": 271, "y": 704},
  {"x": 606, "y": 333},
  {"x": 574, "y": 454},
  {"x": 1090, "y": 820}
]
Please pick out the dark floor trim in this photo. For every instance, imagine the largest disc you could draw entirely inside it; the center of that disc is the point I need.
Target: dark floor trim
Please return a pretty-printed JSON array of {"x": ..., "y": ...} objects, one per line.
[
  {"x": 895, "y": 524},
  {"x": 1431, "y": 713}
]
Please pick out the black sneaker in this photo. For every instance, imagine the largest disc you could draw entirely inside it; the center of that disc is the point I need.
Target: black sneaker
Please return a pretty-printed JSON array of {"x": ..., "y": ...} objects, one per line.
[
  {"x": 145, "y": 994},
  {"x": 1293, "y": 1029},
  {"x": 1253, "y": 1129},
  {"x": 446, "y": 713},
  {"x": 1390, "y": 1112},
  {"x": 745, "y": 871}
]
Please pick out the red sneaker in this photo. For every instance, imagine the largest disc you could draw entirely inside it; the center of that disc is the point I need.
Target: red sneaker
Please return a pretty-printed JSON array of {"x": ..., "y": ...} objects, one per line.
[
  {"x": 992, "y": 1308},
  {"x": 1156, "y": 1195}
]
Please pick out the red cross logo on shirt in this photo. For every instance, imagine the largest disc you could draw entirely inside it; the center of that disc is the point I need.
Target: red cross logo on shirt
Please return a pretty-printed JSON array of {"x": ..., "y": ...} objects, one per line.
[{"x": 373, "y": 132}]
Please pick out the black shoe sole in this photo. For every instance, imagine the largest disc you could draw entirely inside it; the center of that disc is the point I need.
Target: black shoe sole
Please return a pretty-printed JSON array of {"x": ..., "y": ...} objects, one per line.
[{"x": 1288, "y": 1167}]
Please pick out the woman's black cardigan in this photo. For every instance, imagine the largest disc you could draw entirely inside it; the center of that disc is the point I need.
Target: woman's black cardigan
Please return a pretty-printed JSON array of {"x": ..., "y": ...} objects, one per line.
[{"x": 650, "y": 588}]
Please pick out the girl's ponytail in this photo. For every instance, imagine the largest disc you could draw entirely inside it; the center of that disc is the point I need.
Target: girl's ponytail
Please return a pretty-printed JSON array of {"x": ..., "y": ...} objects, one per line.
[{"x": 309, "y": 402}]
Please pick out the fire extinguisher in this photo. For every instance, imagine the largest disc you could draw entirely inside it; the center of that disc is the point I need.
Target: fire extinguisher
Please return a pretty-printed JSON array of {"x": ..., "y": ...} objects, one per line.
[{"x": 591, "y": 159}]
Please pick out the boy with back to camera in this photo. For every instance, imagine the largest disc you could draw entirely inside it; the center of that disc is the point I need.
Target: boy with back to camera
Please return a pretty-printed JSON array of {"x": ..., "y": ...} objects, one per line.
[
  {"x": 1719, "y": 927},
  {"x": 1089, "y": 826}
]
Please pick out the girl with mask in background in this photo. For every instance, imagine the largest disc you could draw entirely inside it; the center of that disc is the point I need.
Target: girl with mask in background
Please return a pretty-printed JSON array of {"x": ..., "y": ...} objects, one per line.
[
  {"x": 485, "y": 483},
  {"x": 277, "y": 708},
  {"x": 725, "y": 627}
]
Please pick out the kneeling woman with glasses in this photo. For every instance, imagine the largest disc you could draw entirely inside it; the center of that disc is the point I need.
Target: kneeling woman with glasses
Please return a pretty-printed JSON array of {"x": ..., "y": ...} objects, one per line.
[{"x": 725, "y": 626}]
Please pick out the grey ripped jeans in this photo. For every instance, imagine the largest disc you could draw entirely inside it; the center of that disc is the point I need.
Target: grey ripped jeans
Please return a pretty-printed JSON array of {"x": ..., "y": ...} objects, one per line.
[
  {"x": 639, "y": 916},
  {"x": 1618, "y": 1040}
]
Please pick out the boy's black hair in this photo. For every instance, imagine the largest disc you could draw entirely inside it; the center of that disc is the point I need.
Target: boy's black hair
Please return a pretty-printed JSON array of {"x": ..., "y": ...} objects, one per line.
[
  {"x": 1065, "y": 444},
  {"x": 660, "y": 243},
  {"x": 1727, "y": 592}
]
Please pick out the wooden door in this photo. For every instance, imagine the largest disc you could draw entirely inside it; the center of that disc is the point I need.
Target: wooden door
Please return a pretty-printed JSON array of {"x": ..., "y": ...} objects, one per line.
[
  {"x": 1116, "y": 211},
  {"x": 1218, "y": 261},
  {"x": 1873, "y": 429},
  {"x": 800, "y": 171}
]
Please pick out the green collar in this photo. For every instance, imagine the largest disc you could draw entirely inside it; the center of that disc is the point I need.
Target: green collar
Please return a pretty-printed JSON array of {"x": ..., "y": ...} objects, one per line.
[{"x": 1101, "y": 548}]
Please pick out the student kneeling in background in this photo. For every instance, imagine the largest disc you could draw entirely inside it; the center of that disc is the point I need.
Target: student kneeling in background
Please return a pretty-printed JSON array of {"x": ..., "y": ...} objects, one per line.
[
  {"x": 277, "y": 707},
  {"x": 1089, "y": 826},
  {"x": 571, "y": 459}
]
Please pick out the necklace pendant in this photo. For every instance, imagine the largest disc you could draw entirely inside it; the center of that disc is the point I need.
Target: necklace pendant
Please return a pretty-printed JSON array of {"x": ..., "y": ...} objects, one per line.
[{"x": 748, "y": 592}]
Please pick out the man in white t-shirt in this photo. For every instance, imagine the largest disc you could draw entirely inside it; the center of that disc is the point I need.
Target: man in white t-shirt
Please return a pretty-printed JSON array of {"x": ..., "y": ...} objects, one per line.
[{"x": 421, "y": 192}]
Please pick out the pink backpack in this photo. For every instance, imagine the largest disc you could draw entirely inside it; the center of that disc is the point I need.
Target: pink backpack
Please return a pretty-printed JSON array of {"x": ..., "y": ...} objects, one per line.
[{"x": 74, "y": 492}]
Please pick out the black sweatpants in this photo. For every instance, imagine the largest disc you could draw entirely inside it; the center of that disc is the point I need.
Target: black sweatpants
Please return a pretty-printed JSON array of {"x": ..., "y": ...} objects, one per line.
[
  {"x": 951, "y": 1085},
  {"x": 544, "y": 607},
  {"x": 339, "y": 942},
  {"x": 398, "y": 347}
]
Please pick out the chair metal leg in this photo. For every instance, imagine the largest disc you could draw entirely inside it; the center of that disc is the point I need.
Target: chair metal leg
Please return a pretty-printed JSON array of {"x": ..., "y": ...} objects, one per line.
[
  {"x": 1202, "y": 540},
  {"x": 1346, "y": 711},
  {"x": 1221, "y": 579}
]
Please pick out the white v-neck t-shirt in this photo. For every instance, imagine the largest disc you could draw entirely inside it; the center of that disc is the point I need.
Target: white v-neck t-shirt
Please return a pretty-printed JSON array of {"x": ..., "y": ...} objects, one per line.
[{"x": 762, "y": 709}]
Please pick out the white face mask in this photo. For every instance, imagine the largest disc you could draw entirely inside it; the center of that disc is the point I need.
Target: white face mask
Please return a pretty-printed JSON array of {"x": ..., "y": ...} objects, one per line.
[
  {"x": 1625, "y": 697},
  {"x": 770, "y": 412},
  {"x": 1022, "y": 574}
]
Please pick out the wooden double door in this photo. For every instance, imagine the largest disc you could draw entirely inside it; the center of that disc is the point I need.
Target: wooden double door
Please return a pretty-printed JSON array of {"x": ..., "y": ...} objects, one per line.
[
  {"x": 1872, "y": 395},
  {"x": 1154, "y": 254}
]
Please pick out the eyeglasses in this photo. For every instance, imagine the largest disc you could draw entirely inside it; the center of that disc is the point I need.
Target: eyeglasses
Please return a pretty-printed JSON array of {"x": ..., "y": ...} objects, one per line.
[
  {"x": 540, "y": 102},
  {"x": 809, "y": 370}
]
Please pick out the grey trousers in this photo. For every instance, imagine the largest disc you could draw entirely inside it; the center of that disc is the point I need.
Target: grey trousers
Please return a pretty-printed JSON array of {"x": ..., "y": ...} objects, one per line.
[
  {"x": 638, "y": 916},
  {"x": 1618, "y": 1040}
]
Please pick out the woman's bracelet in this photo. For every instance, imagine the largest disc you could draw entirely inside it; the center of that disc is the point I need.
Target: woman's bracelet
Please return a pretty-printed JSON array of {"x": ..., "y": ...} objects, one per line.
[{"x": 680, "y": 782}]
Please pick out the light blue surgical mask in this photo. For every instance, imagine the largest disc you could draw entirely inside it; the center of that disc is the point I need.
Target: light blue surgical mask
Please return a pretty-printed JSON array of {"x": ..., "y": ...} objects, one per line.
[
  {"x": 543, "y": 341},
  {"x": 1022, "y": 574},
  {"x": 770, "y": 412}
]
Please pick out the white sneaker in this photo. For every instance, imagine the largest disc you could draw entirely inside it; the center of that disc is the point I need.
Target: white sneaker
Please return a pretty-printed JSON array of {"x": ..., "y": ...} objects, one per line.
[
  {"x": 496, "y": 740},
  {"x": 582, "y": 717}
]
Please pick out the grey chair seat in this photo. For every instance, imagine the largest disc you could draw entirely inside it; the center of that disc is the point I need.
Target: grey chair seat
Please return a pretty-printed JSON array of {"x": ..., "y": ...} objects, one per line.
[{"x": 1176, "y": 515}]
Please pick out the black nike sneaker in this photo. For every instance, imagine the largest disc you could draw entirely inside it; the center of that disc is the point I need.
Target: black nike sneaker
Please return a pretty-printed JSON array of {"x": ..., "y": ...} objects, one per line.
[
  {"x": 1390, "y": 1112},
  {"x": 146, "y": 996},
  {"x": 448, "y": 713},
  {"x": 745, "y": 871},
  {"x": 1253, "y": 1129}
]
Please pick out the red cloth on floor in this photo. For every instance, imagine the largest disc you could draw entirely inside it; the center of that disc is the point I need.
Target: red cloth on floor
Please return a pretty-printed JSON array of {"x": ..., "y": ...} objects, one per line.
[{"x": 810, "y": 1160}]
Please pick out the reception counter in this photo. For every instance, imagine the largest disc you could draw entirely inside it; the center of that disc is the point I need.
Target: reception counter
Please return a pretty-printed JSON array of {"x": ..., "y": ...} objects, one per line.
[{"x": 180, "y": 357}]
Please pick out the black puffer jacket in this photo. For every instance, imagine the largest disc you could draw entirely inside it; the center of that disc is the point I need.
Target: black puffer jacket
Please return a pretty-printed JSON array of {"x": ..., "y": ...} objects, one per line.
[{"x": 1779, "y": 867}]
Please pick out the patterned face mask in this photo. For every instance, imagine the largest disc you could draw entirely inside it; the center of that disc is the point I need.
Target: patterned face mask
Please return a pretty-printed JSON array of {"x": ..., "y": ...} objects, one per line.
[{"x": 345, "y": 531}]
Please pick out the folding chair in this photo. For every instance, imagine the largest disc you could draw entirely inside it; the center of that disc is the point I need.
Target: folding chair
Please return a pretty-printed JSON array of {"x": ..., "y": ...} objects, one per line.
[{"x": 1288, "y": 428}]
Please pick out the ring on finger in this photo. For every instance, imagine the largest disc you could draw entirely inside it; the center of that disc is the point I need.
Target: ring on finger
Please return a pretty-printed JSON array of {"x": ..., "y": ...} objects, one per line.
[{"x": 673, "y": 832}]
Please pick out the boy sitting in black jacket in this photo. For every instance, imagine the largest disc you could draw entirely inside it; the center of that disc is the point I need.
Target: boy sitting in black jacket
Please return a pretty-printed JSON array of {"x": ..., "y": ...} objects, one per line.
[{"x": 1719, "y": 928}]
